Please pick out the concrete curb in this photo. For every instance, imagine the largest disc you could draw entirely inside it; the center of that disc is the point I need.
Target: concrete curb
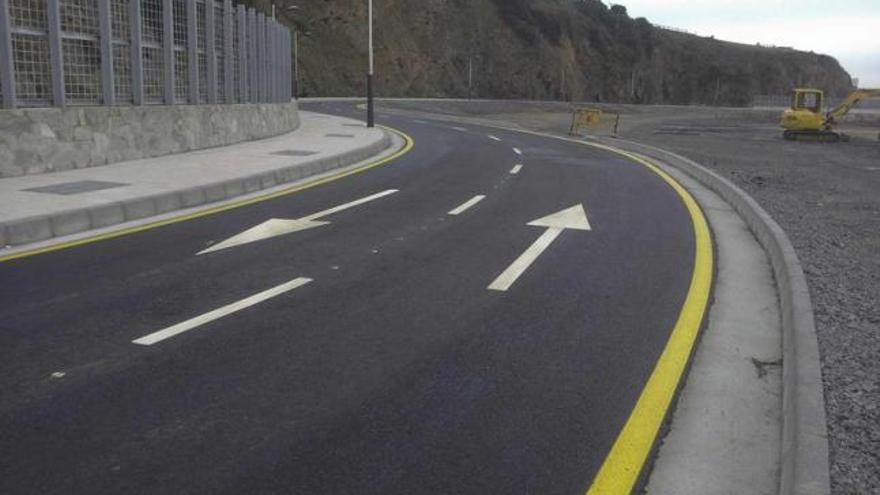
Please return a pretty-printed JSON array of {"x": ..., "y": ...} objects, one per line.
[
  {"x": 804, "y": 462},
  {"x": 40, "y": 228},
  {"x": 804, "y": 465}
]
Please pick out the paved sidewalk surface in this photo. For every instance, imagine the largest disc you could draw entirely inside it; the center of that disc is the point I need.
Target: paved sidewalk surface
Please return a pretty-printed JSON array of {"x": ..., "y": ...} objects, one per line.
[{"x": 39, "y": 207}]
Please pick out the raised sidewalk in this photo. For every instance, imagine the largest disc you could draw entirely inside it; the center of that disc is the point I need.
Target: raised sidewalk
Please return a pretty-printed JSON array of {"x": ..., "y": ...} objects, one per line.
[{"x": 40, "y": 207}]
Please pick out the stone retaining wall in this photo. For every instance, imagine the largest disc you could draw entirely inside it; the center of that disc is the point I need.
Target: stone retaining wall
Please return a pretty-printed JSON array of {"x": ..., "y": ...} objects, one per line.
[{"x": 40, "y": 140}]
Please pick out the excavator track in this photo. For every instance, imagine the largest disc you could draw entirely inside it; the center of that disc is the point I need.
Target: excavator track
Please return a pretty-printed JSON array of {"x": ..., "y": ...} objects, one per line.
[{"x": 816, "y": 136}]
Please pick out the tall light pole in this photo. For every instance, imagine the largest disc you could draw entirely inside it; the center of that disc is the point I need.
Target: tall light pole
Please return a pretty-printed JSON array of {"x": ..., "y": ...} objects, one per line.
[{"x": 370, "y": 116}]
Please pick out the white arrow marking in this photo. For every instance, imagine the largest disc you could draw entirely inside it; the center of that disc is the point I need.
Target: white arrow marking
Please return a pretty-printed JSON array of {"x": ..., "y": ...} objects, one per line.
[
  {"x": 515, "y": 170},
  {"x": 467, "y": 204},
  {"x": 570, "y": 218},
  {"x": 198, "y": 321},
  {"x": 280, "y": 226}
]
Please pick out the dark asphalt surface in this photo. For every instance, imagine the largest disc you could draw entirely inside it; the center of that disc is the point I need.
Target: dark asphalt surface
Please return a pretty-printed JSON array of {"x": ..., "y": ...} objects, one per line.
[{"x": 394, "y": 371}]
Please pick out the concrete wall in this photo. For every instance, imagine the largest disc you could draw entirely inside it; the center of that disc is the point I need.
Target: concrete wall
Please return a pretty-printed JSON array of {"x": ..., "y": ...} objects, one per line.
[{"x": 40, "y": 140}]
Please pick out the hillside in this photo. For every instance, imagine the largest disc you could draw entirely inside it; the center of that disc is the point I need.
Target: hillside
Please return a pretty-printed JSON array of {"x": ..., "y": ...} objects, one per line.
[{"x": 536, "y": 49}]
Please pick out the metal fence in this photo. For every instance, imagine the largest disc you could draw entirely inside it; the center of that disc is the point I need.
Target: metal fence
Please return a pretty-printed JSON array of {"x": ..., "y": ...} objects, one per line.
[{"x": 140, "y": 52}]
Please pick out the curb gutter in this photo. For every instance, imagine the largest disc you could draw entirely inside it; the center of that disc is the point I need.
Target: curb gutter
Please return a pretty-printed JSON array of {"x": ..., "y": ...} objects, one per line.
[
  {"x": 804, "y": 468},
  {"x": 43, "y": 227}
]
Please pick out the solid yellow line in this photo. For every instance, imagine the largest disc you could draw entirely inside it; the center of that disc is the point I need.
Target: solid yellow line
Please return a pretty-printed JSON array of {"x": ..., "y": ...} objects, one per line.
[
  {"x": 624, "y": 463},
  {"x": 217, "y": 209}
]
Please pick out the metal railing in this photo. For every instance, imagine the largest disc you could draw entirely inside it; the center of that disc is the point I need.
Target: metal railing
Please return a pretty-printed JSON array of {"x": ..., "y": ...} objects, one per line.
[{"x": 140, "y": 52}]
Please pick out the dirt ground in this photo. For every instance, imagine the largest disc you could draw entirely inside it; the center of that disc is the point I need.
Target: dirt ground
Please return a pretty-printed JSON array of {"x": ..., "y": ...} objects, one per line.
[{"x": 826, "y": 197}]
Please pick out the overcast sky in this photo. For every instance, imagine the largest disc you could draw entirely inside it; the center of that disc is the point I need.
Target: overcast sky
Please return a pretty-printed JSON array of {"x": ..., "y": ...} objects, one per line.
[{"x": 849, "y": 30}]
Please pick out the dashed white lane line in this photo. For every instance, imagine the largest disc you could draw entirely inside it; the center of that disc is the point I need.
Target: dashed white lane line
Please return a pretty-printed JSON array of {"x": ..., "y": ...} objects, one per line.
[
  {"x": 517, "y": 151},
  {"x": 198, "y": 321},
  {"x": 494, "y": 138},
  {"x": 515, "y": 170},
  {"x": 459, "y": 129},
  {"x": 467, "y": 204}
]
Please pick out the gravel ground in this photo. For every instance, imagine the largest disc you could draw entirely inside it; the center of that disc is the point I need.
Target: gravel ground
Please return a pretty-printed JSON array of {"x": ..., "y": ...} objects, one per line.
[{"x": 826, "y": 197}]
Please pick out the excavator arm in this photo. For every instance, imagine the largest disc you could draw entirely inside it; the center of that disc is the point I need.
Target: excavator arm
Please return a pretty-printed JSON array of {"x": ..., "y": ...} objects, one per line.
[{"x": 834, "y": 116}]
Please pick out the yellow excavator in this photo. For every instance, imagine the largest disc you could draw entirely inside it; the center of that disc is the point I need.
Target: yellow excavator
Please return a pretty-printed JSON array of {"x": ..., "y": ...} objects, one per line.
[{"x": 805, "y": 120}]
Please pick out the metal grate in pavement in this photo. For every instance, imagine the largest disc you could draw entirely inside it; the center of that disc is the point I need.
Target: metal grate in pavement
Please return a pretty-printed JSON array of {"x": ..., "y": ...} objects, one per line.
[
  {"x": 340, "y": 135},
  {"x": 78, "y": 187}
]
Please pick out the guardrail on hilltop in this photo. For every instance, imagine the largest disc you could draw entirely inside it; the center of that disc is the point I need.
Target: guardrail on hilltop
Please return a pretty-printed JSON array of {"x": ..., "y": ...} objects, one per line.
[{"x": 140, "y": 52}]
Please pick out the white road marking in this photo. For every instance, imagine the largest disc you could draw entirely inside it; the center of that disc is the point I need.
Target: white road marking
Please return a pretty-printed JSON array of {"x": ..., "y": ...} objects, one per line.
[
  {"x": 281, "y": 226},
  {"x": 419, "y": 121},
  {"x": 494, "y": 138},
  {"x": 467, "y": 204},
  {"x": 351, "y": 204},
  {"x": 570, "y": 218},
  {"x": 517, "y": 151},
  {"x": 525, "y": 260},
  {"x": 198, "y": 321},
  {"x": 459, "y": 129},
  {"x": 515, "y": 170}
]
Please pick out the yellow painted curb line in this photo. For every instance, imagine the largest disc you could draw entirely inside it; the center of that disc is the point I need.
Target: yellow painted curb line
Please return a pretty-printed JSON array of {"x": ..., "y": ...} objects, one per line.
[
  {"x": 409, "y": 143},
  {"x": 624, "y": 464}
]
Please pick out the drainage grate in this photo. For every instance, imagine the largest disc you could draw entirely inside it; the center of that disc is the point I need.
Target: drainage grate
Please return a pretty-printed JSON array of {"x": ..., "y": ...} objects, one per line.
[
  {"x": 78, "y": 187},
  {"x": 294, "y": 153},
  {"x": 340, "y": 135},
  {"x": 353, "y": 125}
]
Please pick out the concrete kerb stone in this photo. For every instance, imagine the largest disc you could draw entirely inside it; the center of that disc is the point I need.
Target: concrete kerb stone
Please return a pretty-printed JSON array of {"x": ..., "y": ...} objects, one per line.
[
  {"x": 804, "y": 467},
  {"x": 36, "y": 229},
  {"x": 804, "y": 463}
]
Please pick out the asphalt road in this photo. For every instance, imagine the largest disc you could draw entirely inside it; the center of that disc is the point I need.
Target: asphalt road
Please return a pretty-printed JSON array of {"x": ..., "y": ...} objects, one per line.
[{"x": 393, "y": 368}]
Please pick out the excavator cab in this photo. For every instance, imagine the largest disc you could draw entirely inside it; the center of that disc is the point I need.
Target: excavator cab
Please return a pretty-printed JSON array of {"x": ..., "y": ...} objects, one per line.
[
  {"x": 807, "y": 99},
  {"x": 805, "y": 114}
]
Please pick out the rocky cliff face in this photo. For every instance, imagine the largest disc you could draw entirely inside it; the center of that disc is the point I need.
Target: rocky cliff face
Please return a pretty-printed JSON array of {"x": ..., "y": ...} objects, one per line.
[{"x": 536, "y": 49}]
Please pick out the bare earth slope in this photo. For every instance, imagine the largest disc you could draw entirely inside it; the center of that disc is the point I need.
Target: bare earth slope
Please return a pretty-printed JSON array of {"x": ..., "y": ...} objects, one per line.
[{"x": 536, "y": 49}]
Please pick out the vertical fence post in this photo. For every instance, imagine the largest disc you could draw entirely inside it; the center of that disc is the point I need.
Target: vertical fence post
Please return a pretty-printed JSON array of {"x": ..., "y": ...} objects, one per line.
[
  {"x": 7, "y": 63},
  {"x": 137, "y": 53},
  {"x": 276, "y": 37},
  {"x": 267, "y": 60},
  {"x": 108, "y": 92},
  {"x": 252, "y": 58},
  {"x": 56, "y": 55},
  {"x": 270, "y": 59},
  {"x": 267, "y": 84},
  {"x": 168, "y": 49},
  {"x": 192, "y": 50},
  {"x": 242, "y": 54},
  {"x": 261, "y": 55},
  {"x": 227, "y": 50},
  {"x": 210, "y": 54}
]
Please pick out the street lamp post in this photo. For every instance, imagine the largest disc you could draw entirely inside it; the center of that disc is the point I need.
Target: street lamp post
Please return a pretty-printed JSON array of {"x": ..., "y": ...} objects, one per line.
[{"x": 370, "y": 116}]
